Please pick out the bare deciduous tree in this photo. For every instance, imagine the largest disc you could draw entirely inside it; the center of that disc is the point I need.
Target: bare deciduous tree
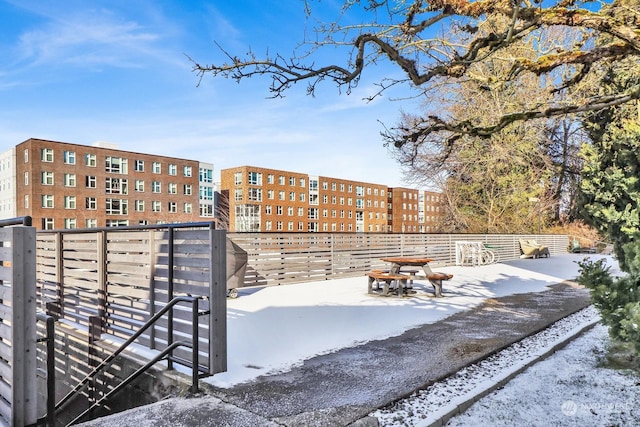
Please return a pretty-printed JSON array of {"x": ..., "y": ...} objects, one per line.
[{"x": 405, "y": 34}]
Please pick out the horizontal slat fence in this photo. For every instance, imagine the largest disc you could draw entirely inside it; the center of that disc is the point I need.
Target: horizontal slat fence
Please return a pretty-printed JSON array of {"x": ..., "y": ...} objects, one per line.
[
  {"x": 121, "y": 277},
  {"x": 280, "y": 258}
]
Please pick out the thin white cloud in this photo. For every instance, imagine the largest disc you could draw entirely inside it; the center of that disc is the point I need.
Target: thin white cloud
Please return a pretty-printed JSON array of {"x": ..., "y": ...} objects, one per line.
[
  {"x": 87, "y": 40},
  {"x": 95, "y": 37}
]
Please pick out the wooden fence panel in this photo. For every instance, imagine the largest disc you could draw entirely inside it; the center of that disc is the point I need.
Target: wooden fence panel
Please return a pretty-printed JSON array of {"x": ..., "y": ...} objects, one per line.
[
  {"x": 281, "y": 258},
  {"x": 125, "y": 276}
]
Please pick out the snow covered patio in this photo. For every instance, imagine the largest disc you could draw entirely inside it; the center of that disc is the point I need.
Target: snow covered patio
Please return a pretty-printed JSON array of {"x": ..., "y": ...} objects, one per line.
[
  {"x": 274, "y": 329},
  {"x": 327, "y": 353}
]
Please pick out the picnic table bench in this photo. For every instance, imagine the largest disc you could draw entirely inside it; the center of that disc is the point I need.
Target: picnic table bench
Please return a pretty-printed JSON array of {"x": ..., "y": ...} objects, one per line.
[
  {"x": 397, "y": 282},
  {"x": 434, "y": 277}
]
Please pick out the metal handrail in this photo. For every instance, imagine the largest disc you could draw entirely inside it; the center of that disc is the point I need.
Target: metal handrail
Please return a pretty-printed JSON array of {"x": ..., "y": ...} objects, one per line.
[
  {"x": 22, "y": 220},
  {"x": 107, "y": 361},
  {"x": 167, "y": 351},
  {"x": 50, "y": 416}
]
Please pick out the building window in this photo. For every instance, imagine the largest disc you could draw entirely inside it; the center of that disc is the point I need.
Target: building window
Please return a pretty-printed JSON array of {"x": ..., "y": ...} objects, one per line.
[
  {"x": 172, "y": 188},
  {"x": 290, "y": 226},
  {"x": 26, "y": 178},
  {"x": 139, "y": 186},
  {"x": 303, "y": 197},
  {"x": 70, "y": 223},
  {"x": 156, "y": 187},
  {"x": 26, "y": 201},
  {"x": 300, "y": 211},
  {"x": 69, "y": 202},
  {"x": 206, "y": 175},
  {"x": 292, "y": 181},
  {"x": 156, "y": 206},
  {"x": 116, "y": 186},
  {"x": 91, "y": 223},
  {"x": 47, "y": 201},
  {"x": 206, "y": 210},
  {"x": 139, "y": 205},
  {"x": 47, "y": 223},
  {"x": 156, "y": 167},
  {"x": 255, "y": 194},
  {"x": 290, "y": 210},
  {"x": 237, "y": 178},
  {"x": 46, "y": 155},
  {"x": 138, "y": 165},
  {"x": 187, "y": 171},
  {"x": 117, "y": 223},
  {"x": 69, "y": 179},
  {"x": 303, "y": 182},
  {"x": 268, "y": 225},
  {"x": 292, "y": 196},
  {"x": 278, "y": 210},
  {"x": 281, "y": 179},
  {"x": 271, "y": 194},
  {"x": 117, "y": 206},
  {"x": 270, "y": 179},
  {"x": 26, "y": 155},
  {"x": 116, "y": 165},
  {"x": 47, "y": 178},
  {"x": 281, "y": 195},
  {"x": 173, "y": 169},
  {"x": 206, "y": 193},
  {"x": 188, "y": 189},
  {"x": 69, "y": 157},
  {"x": 188, "y": 208},
  {"x": 172, "y": 207},
  {"x": 238, "y": 194},
  {"x": 90, "y": 160},
  {"x": 255, "y": 178},
  {"x": 279, "y": 225},
  {"x": 312, "y": 213},
  {"x": 267, "y": 209},
  {"x": 91, "y": 203}
]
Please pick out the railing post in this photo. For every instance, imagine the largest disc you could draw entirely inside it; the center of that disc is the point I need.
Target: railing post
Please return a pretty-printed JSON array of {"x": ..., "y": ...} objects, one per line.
[
  {"x": 50, "y": 417},
  {"x": 152, "y": 286},
  {"x": 170, "y": 261},
  {"x": 101, "y": 243},
  {"x": 95, "y": 332},
  {"x": 59, "y": 260},
  {"x": 195, "y": 346}
]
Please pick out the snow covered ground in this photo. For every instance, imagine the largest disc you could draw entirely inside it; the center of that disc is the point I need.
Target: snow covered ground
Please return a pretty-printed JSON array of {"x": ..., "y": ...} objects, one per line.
[
  {"x": 276, "y": 328},
  {"x": 568, "y": 388}
]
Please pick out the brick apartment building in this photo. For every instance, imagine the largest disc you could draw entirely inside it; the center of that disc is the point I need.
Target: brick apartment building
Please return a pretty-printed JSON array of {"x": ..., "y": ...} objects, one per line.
[
  {"x": 258, "y": 199},
  {"x": 63, "y": 185}
]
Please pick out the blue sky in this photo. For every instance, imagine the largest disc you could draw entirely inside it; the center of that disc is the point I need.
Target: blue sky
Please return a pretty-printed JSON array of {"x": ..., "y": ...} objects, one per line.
[{"x": 83, "y": 71}]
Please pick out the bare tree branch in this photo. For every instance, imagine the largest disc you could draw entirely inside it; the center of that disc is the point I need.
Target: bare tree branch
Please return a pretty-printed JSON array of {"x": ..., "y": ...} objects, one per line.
[{"x": 407, "y": 40}]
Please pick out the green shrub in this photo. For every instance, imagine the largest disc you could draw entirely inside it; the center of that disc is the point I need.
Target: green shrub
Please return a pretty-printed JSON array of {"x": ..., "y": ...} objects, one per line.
[{"x": 617, "y": 299}]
